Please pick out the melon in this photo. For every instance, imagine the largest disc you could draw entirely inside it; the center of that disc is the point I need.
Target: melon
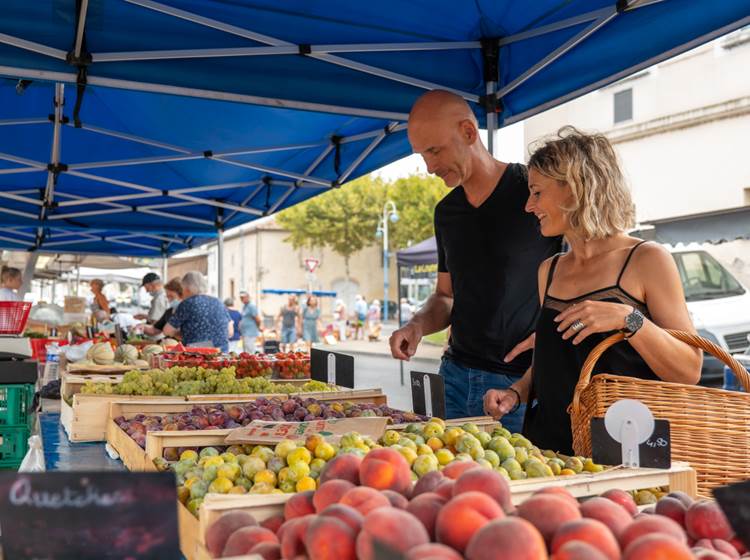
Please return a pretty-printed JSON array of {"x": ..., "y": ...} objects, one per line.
[
  {"x": 139, "y": 363},
  {"x": 169, "y": 342},
  {"x": 102, "y": 353},
  {"x": 127, "y": 354},
  {"x": 150, "y": 350}
]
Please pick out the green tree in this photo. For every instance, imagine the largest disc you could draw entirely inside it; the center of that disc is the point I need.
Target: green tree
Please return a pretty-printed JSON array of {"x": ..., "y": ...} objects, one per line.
[
  {"x": 415, "y": 197},
  {"x": 343, "y": 219}
]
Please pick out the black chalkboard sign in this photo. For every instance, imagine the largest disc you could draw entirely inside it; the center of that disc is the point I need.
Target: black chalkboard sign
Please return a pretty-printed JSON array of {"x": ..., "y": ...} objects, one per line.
[
  {"x": 118, "y": 335},
  {"x": 384, "y": 552},
  {"x": 428, "y": 394},
  {"x": 75, "y": 515},
  {"x": 270, "y": 346},
  {"x": 655, "y": 453},
  {"x": 734, "y": 500},
  {"x": 332, "y": 367}
]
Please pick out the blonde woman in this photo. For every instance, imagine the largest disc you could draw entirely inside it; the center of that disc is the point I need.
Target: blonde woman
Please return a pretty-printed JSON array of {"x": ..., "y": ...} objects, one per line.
[
  {"x": 100, "y": 305},
  {"x": 608, "y": 282}
]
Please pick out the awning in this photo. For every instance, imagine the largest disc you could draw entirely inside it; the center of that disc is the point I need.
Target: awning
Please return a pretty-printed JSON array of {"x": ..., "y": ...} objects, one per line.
[
  {"x": 296, "y": 292},
  {"x": 708, "y": 227},
  {"x": 424, "y": 252}
]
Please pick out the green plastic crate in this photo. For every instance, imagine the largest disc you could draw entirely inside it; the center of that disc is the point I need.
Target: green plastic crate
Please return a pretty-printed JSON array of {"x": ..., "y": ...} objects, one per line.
[
  {"x": 15, "y": 404},
  {"x": 14, "y": 443}
]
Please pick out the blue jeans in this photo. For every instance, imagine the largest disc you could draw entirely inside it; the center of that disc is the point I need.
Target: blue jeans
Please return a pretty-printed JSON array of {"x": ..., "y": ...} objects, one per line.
[
  {"x": 288, "y": 335},
  {"x": 465, "y": 389}
]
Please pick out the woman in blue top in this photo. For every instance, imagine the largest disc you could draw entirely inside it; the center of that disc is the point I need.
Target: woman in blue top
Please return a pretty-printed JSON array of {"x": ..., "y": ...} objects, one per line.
[
  {"x": 608, "y": 282},
  {"x": 310, "y": 320},
  {"x": 200, "y": 319}
]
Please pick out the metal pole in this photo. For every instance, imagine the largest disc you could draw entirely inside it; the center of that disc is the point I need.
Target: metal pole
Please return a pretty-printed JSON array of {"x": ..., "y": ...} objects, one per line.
[
  {"x": 400, "y": 319},
  {"x": 78, "y": 277},
  {"x": 385, "y": 262},
  {"x": 220, "y": 263},
  {"x": 164, "y": 269}
]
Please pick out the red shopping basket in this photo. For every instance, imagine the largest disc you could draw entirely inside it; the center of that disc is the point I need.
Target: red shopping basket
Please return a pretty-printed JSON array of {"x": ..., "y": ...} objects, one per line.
[{"x": 13, "y": 316}]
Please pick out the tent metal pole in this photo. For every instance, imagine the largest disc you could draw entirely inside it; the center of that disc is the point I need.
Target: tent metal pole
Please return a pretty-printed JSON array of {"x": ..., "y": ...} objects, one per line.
[
  {"x": 19, "y": 213},
  {"x": 177, "y": 217},
  {"x": 17, "y": 241},
  {"x": 32, "y": 46},
  {"x": 400, "y": 318},
  {"x": 17, "y": 198},
  {"x": 357, "y": 137},
  {"x": 49, "y": 192},
  {"x": 275, "y": 171},
  {"x": 220, "y": 262},
  {"x": 28, "y": 273},
  {"x": 558, "y": 52},
  {"x": 81, "y": 27},
  {"x": 16, "y": 170},
  {"x": 246, "y": 200},
  {"x": 164, "y": 269},
  {"x": 23, "y": 161},
  {"x": 14, "y": 122},
  {"x": 361, "y": 157}
]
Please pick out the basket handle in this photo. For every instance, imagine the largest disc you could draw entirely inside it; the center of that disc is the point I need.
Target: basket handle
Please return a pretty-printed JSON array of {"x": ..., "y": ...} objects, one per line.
[{"x": 687, "y": 338}]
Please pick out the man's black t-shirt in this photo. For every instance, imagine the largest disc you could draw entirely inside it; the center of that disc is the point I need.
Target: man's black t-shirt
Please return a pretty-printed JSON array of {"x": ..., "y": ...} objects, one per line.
[{"x": 492, "y": 254}]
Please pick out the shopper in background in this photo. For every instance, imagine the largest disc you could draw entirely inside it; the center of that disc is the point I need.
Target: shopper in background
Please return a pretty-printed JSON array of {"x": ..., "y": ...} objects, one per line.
[
  {"x": 288, "y": 323},
  {"x": 100, "y": 305},
  {"x": 607, "y": 283},
  {"x": 311, "y": 321},
  {"x": 407, "y": 311},
  {"x": 236, "y": 317},
  {"x": 360, "y": 316},
  {"x": 374, "y": 325},
  {"x": 250, "y": 323},
  {"x": 11, "y": 279},
  {"x": 339, "y": 318},
  {"x": 159, "y": 303},
  {"x": 173, "y": 289},
  {"x": 200, "y": 318}
]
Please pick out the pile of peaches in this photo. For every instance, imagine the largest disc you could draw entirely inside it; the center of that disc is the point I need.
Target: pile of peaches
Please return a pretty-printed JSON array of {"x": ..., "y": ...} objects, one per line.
[{"x": 465, "y": 511}]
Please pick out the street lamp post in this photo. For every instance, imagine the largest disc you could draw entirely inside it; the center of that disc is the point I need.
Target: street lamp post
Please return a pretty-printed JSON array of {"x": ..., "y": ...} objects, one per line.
[{"x": 390, "y": 213}]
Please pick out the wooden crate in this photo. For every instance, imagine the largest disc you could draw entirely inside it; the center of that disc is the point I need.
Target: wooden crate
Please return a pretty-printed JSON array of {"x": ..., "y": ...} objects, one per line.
[{"x": 485, "y": 423}]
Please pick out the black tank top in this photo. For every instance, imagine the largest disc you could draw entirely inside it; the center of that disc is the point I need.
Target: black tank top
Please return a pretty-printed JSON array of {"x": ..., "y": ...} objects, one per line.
[{"x": 557, "y": 364}]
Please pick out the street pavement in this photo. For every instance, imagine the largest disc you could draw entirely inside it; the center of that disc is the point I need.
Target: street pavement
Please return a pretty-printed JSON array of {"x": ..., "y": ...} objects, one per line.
[{"x": 375, "y": 367}]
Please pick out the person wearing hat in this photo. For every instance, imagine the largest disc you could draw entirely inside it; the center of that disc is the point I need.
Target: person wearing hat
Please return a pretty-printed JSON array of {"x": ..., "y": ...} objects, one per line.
[{"x": 159, "y": 303}]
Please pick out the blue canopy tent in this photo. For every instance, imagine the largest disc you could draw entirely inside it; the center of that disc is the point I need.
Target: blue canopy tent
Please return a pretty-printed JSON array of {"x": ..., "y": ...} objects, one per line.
[{"x": 185, "y": 117}]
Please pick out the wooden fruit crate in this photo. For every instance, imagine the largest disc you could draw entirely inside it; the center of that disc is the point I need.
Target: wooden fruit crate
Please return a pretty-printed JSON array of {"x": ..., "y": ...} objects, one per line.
[{"x": 485, "y": 423}]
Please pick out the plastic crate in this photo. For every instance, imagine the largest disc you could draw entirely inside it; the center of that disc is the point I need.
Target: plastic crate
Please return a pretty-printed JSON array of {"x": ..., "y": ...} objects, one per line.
[
  {"x": 13, "y": 316},
  {"x": 39, "y": 347},
  {"x": 15, "y": 405},
  {"x": 14, "y": 443}
]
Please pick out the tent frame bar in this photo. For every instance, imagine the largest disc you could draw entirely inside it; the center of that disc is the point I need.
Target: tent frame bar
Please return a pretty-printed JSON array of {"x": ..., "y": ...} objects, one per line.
[
  {"x": 32, "y": 46},
  {"x": 81, "y": 27},
  {"x": 30, "y": 120}
]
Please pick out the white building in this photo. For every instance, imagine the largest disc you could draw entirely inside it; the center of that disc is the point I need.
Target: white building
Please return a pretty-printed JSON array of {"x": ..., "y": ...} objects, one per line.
[{"x": 682, "y": 131}]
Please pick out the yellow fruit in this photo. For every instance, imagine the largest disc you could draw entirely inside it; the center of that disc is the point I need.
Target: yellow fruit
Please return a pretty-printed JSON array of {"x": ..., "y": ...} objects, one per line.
[
  {"x": 300, "y": 454},
  {"x": 451, "y": 435},
  {"x": 190, "y": 481},
  {"x": 391, "y": 437},
  {"x": 470, "y": 427},
  {"x": 265, "y": 476},
  {"x": 424, "y": 449},
  {"x": 284, "y": 447},
  {"x": 438, "y": 421},
  {"x": 220, "y": 486},
  {"x": 229, "y": 470},
  {"x": 555, "y": 467},
  {"x": 276, "y": 491},
  {"x": 283, "y": 475},
  {"x": 298, "y": 471},
  {"x": 313, "y": 441},
  {"x": 288, "y": 487},
  {"x": 435, "y": 443},
  {"x": 444, "y": 456},
  {"x": 574, "y": 464},
  {"x": 567, "y": 472},
  {"x": 432, "y": 429},
  {"x": 261, "y": 488},
  {"x": 324, "y": 451},
  {"x": 189, "y": 454},
  {"x": 305, "y": 483},
  {"x": 317, "y": 464},
  {"x": 237, "y": 490},
  {"x": 229, "y": 457},
  {"x": 215, "y": 461},
  {"x": 262, "y": 452},
  {"x": 590, "y": 466},
  {"x": 409, "y": 454},
  {"x": 406, "y": 442}
]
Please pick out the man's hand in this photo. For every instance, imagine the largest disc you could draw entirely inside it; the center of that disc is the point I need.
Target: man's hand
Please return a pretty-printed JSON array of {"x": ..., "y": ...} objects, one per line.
[
  {"x": 521, "y": 347},
  {"x": 498, "y": 403},
  {"x": 405, "y": 340}
]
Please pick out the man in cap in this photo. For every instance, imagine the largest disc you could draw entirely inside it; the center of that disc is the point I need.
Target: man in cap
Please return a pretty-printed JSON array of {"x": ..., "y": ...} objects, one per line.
[
  {"x": 159, "y": 302},
  {"x": 249, "y": 324}
]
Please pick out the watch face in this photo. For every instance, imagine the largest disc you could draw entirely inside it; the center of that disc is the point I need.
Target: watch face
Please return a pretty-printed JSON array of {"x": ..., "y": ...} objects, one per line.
[{"x": 634, "y": 321}]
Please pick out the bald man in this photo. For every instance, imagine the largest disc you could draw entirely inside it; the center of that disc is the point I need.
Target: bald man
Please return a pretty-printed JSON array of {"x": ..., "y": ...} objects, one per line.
[{"x": 489, "y": 250}]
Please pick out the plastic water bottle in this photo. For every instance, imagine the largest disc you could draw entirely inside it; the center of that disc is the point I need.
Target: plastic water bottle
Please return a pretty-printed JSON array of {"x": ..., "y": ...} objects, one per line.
[
  {"x": 52, "y": 363},
  {"x": 731, "y": 383}
]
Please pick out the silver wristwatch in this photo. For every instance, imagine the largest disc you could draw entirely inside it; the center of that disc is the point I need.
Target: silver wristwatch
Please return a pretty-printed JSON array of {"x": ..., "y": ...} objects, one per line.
[{"x": 633, "y": 322}]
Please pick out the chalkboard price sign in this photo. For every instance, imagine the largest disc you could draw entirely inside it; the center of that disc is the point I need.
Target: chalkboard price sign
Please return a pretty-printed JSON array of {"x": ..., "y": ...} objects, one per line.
[
  {"x": 332, "y": 367},
  {"x": 428, "y": 394},
  {"x": 655, "y": 452},
  {"x": 74, "y": 515}
]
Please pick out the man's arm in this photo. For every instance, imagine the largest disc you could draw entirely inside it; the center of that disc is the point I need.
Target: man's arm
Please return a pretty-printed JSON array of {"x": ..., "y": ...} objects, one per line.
[
  {"x": 433, "y": 317},
  {"x": 169, "y": 330}
]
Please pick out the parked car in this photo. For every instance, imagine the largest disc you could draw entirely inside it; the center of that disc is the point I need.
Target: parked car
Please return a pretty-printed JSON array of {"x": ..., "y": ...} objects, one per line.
[{"x": 718, "y": 304}]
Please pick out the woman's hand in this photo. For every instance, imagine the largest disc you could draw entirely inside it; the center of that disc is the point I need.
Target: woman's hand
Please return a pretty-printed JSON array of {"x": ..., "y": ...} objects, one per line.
[
  {"x": 588, "y": 317},
  {"x": 498, "y": 403}
]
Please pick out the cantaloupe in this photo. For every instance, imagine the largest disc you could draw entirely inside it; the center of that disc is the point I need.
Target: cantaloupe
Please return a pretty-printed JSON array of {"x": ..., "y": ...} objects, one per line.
[
  {"x": 151, "y": 350},
  {"x": 126, "y": 354},
  {"x": 169, "y": 342},
  {"x": 102, "y": 353}
]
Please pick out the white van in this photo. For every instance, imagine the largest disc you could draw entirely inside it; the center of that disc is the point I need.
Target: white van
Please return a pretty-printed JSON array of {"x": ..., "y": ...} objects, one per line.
[{"x": 719, "y": 306}]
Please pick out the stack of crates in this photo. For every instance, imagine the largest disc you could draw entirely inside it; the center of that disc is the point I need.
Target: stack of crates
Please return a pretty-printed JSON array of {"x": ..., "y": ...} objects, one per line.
[{"x": 16, "y": 419}]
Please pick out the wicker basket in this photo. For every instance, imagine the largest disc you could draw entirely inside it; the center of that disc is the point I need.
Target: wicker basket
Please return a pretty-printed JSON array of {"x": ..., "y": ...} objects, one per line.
[{"x": 709, "y": 428}]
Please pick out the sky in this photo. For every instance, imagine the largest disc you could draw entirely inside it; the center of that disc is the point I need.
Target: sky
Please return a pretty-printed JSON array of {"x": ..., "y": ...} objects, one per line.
[{"x": 510, "y": 140}]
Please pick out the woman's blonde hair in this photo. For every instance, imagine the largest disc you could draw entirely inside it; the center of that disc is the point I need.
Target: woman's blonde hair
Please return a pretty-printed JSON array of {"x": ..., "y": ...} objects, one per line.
[
  {"x": 97, "y": 282},
  {"x": 602, "y": 205}
]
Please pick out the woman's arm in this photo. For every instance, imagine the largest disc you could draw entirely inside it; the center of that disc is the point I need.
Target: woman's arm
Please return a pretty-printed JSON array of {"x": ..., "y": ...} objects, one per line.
[{"x": 101, "y": 300}]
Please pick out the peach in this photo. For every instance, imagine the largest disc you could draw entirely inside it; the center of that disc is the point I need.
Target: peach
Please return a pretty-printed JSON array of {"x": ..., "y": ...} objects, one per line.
[
  {"x": 330, "y": 493},
  {"x": 707, "y": 554},
  {"x": 608, "y": 512},
  {"x": 652, "y": 524},
  {"x": 385, "y": 469},
  {"x": 427, "y": 483},
  {"x": 557, "y": 491},
  {"x": 328, "y": 538},
  {"x": 487, "y": 481},
  {"x": 267, "y": 550},
  {"x": 719, "y": 545},
  {"x": 590, "y": 531},
  {"x": 578, "y": 550},
  {"x": 292, "y": 536},
  {"x": 347, "y": 514},
  {"x": 432, "y": 551},
  {"x": 345, "y": 467},
  {"x": 299, "y": 504},
  {"x": 463, "y": 516},
  {"x": 547, "y": 512},
  {"x": 686, "y": 499},
  {"x": 243, "y": 540},
  {"x": 738, "y": 545},
  {"x": 397, "y": 500},
  {"x": 273, "y": 523},
  {"x": 445, "y": 488},
  {"x": 396, "y": 529},
  {"x": 623, "y": 498},
  {"x": 457, "y": 468},
  {"x": 705, "y": 520},
  {"x": 364, "y": 499},
  {"x": 426, "y": 507},
  {"x": 657, "y": 546},
  {"x": 673, "y": 508},
  {"x": 511, "y": 538},
  {"x": 218, "y": 533}
]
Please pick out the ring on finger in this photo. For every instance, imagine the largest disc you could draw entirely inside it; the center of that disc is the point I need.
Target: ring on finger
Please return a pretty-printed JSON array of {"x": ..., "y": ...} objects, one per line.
[{"x": 577, "y": 325}]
